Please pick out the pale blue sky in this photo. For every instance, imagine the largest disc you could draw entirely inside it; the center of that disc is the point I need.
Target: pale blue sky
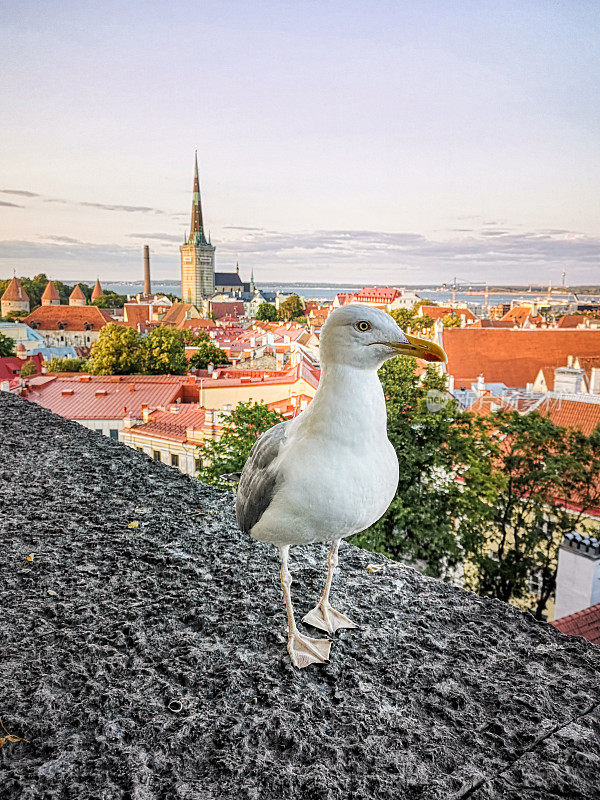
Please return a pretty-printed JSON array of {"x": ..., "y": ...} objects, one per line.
[{"x": 376, "y": 142}]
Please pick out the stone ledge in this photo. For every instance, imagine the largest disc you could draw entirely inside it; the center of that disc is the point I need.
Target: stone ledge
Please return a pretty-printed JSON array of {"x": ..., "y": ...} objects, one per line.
[{"x": 440, "y": 694}]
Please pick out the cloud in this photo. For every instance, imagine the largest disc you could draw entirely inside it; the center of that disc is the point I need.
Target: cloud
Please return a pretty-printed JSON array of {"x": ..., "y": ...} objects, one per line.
[
  {"x": 20, "y": 192},
  {"x": 486, "y": 251},
  {"x": 64, "y": 249},
  {"x": 64, "y": 239},
  {"x": 342, "y": 256},
  {"x": 10, "y": 205},
  {"x": 117, "y": 207},
  {"x": 163, "y": 237},
  {"x": 240, "y": 228}
]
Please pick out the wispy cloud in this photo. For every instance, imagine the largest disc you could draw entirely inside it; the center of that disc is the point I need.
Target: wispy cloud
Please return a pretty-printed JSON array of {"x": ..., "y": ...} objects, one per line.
[
  {"x": 163, "y": 237},
  {"x": 118, "y": 207},
  {"x": 19, "y": 192},
  {"x": 10, "y": 205},
  {"x": 64, "y": 239}
]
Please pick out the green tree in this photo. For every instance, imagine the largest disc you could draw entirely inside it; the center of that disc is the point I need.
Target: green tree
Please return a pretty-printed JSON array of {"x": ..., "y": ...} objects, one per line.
[
  {"x": 244, "y": 425},
  {"x": 29, "y": 368},
  {"x": 266, "y": 312},
  {"x": 544, "y": 479},
  {"x": 207, "y": 353},
  {"x": 451, "y": 321},
  {"x": 163, "y": 352},
  {"x": 66, "y": 365},
  {"x": 118, "y": 351},
  {"x": 110, "y": 300},
  {"x": 434, "y": 442},
  {"x": 407, "y": 318},
  {"x": 291, "y": 308},
  {"x": 7, "y": 346}
]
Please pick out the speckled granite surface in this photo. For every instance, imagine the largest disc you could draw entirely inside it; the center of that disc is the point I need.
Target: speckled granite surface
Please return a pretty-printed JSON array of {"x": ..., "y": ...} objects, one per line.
[{"x": 440, "y": 694}]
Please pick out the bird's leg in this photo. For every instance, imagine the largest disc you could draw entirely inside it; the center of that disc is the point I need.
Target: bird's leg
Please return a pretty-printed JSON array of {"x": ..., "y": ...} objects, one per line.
[
  {"x": 323, "y": 616},
  {"x": 302, "y": 649}
]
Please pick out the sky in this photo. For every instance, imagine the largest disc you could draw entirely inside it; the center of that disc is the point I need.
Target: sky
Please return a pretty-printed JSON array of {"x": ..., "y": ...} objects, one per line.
[{"x": 339, "y": 141}]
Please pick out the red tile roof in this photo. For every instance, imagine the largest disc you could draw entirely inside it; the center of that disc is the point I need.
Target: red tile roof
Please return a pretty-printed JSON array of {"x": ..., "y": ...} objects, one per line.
[
  {"x": 10, "y": 366},
  {"x": 376, "y": 294},
  {"x": 50, "y": 292},
  {"x": 135, "y": 314},
  {"x": 14, "y": 291},
  {"x": 178, "y": 313},
  {"x": 513, "y": 356},
  {"x": 172, "y": 423},
  {"x": 74, "y": 318},
  {"x": 584, "y": 414},
  {"x": 197, "y": 324},
  {"x": 493, "y": 323},
  {"x": 103, "y": 397},
  {"x": 227, "y": 308},
  {"x": 584, "y": 623},
  {"x": 437, "y": 312},
  {"x": 77, "y": 293},
  {"x": 571, "y": 321}
]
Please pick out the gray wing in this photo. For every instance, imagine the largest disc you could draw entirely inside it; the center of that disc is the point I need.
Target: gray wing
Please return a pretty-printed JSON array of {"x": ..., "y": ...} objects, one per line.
[{"x": 259, "y": 479}]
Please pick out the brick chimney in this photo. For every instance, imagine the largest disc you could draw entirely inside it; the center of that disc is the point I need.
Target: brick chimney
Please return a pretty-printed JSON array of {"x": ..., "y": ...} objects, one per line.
[
  {"x": 578, "y": 576},
  {"x": 147, "y": 289}
]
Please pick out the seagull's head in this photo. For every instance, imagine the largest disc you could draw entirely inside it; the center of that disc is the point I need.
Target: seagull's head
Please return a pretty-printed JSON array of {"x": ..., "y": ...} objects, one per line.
[{"x": 360, "y": 336}]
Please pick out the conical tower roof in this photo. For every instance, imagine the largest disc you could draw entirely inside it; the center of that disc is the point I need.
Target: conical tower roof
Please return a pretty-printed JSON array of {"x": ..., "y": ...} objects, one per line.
[
  {"x": 51, "y": 293},
  {"x": 15, "y": 292},
  {"x": 77, "y": 294},
  {"x": 197, "y": 225},
  {"x": 77, "y": 297},
  {"x": 97, "y": 290}
]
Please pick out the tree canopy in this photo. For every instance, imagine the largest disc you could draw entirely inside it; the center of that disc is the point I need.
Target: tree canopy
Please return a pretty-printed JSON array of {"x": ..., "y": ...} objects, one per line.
[
  {"x": 208, "y": 352},
  {"x": 407, "y": 318},
  {"x": 267, "y": 312},
  {"x": 7, "y": 346},
  {"x": 243, "y": 426},
  {"x": 118, "y": 351},
  {"x": 66, "y": 365},
  {"x": 163, "y": 352},
  {"x": 433, "y": 440},
  {"x": 290, "y": 308},
  {"x": 110, "y": 300}
]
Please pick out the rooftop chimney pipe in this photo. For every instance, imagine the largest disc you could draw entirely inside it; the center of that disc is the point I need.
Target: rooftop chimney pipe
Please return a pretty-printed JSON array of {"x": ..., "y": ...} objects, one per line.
[{"x": 147, "y": 289}]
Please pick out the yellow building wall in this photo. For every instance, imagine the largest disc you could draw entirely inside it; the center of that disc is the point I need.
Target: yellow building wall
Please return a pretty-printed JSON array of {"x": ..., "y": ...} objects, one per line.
[{"x": 219, "y": 396}]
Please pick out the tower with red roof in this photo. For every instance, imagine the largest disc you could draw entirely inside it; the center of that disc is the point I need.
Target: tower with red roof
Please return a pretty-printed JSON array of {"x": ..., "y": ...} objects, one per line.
[
  {"x": 15, "y": 298},
  {"x": 50, "y": 297},
  {"x": 77, "y": 297}
]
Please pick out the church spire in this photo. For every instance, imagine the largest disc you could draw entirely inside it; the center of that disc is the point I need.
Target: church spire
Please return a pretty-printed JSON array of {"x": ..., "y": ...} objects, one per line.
[{"x": 197, "y": 226}]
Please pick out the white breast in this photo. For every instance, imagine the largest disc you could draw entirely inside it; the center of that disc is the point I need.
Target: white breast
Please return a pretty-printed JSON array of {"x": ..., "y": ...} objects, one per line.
[{"x": 337, "y": 471}]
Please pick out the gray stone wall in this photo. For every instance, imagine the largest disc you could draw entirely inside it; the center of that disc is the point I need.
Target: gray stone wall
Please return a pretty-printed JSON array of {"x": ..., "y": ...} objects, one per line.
[{"x": 150, "y": 662}]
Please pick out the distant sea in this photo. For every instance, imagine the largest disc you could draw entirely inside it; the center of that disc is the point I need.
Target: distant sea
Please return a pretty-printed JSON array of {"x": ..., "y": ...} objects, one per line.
[{"x": 315, "y": 291}]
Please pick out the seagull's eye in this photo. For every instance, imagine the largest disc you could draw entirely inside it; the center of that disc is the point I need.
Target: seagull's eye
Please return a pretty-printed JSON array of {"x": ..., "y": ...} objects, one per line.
[{"x": 362, "y": 326}]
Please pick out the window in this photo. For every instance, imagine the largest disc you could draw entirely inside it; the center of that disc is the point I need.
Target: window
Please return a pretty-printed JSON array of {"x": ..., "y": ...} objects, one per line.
[
  {"x": 156, "y": 455},
  {"x": 174, "y": 460},
  {"x": 114, "y": 434},
  {"x": 98, "y": 430},
  {"x": 139, "y": 449}
]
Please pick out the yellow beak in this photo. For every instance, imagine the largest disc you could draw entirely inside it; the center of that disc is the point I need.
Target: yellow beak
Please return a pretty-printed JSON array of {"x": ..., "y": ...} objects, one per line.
[{"x": 419, "y": 348}]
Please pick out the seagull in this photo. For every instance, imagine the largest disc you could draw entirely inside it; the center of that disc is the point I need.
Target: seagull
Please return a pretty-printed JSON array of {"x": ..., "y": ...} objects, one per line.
[{"x": 331, "y": 471}]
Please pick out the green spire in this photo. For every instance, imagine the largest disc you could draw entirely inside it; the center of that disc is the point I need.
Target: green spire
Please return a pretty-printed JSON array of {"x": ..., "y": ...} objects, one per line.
[{"x": 197, "y": 226}]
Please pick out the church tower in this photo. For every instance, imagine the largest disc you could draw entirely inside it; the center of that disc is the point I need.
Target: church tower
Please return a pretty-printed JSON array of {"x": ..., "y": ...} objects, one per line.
[{"x": 197, "y": 255}]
